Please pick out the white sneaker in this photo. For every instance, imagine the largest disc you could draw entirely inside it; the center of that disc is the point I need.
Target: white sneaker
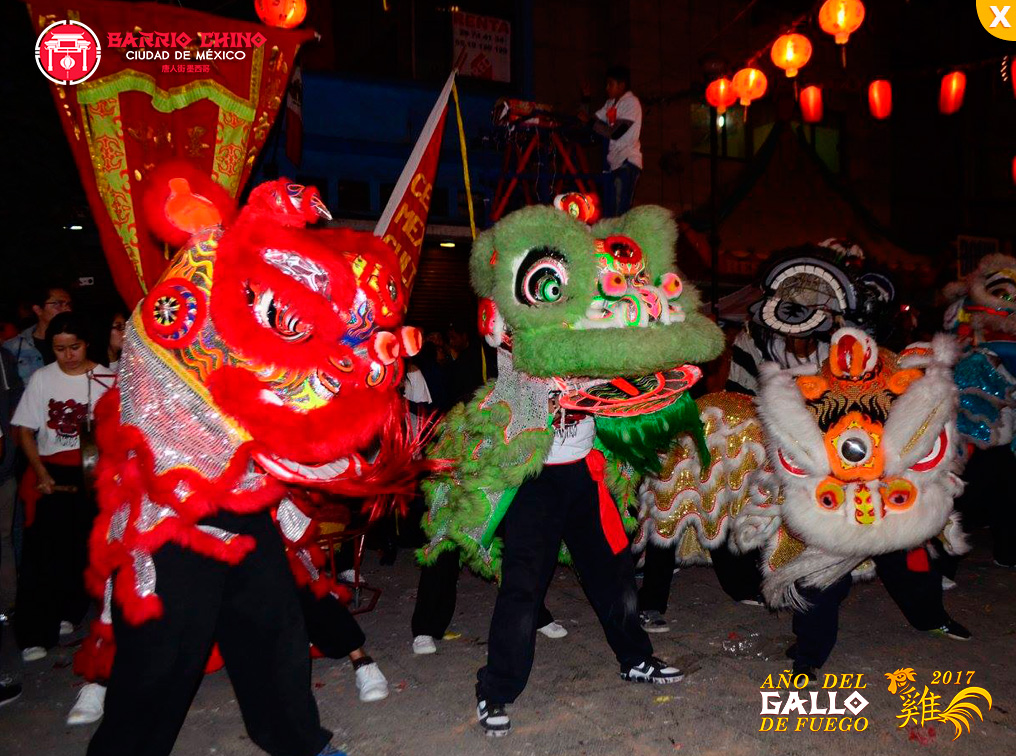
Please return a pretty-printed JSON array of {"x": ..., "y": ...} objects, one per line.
[
  {"x": 947, "y": 583},
  {"x": 349, "y": 576},
  {"x": 33, "y": 653},
  {"x": 66, "y": 628},
  {"x": 552, "y": 630},
  {"x": 371, "y": 683},
  {"x": 424, "y": 644},
  {"x": 89, "y": 706}
]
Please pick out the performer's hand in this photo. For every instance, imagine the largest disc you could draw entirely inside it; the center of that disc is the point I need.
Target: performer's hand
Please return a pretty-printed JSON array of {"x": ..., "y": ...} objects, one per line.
[{"x": 46, "y": 484}]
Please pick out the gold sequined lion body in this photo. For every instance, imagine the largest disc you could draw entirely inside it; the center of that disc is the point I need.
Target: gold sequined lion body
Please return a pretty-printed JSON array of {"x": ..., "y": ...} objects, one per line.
[{"x": 821, "y": 471}]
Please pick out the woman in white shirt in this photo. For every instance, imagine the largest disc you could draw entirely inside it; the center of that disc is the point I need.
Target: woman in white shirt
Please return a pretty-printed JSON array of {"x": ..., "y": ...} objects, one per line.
[{"x": 58, "y": 402}]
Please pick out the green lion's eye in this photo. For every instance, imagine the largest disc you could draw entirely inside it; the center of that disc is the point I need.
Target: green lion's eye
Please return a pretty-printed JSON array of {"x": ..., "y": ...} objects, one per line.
[
  {"x": 550, "y": 288},
  {"x": 541, "y": 278}
]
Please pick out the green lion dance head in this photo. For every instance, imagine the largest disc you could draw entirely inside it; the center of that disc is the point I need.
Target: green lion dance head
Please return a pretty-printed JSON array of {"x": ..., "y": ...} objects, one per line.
[
  {"x": 600, "y": 301},
  {"x": 579, "y": 304}
]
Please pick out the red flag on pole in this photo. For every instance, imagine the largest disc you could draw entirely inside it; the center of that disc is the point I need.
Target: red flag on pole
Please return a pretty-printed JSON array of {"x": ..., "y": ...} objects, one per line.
[{"x": 404, "y": 220}]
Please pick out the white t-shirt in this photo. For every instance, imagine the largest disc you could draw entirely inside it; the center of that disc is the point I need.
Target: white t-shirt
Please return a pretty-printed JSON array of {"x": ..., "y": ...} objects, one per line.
[
  {"x": 55, "y": 405},
  {"x": 627, "y": 146},
  {"x": 572, "y": 442}
]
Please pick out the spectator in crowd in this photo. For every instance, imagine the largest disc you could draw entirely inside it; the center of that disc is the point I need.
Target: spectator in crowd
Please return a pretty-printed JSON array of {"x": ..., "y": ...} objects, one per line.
[
  {"x": 30, "y": 347},
  {"x": 114, "y": 345},
  {"x": 10, "y": 392},
  {"x": 57, "y": 404}
]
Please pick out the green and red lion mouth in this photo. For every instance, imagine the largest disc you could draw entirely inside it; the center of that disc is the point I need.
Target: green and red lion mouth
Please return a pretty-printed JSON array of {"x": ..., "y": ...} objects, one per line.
[{"x": 637, "y": 417}]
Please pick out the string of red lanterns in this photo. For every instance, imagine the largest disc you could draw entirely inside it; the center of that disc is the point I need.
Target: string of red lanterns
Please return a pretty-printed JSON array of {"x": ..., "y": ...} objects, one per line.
[{"x": 792, "y": 51}]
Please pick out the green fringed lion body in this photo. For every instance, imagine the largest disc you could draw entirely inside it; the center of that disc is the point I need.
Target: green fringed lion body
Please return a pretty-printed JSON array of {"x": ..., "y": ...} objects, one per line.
[{"x": 587, "y": 319}]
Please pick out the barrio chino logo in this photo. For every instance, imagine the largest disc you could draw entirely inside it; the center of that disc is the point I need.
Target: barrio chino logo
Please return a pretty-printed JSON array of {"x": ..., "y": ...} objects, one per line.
[
  {"x": 999, "y": 20},
  {"x": 67, "y": 52}
]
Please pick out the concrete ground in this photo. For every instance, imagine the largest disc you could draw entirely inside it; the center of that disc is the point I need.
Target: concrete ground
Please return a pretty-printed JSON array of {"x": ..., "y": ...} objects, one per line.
[{"x": 575, "y": 703}]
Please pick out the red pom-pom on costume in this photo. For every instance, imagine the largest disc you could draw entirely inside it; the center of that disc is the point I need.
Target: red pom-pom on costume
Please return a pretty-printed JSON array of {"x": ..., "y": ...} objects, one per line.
[{"x": 180, "y": 199}]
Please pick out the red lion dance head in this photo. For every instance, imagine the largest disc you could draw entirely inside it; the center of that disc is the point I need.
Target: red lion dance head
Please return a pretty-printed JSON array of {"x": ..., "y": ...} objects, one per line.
[{"x": 268, "y": 354}]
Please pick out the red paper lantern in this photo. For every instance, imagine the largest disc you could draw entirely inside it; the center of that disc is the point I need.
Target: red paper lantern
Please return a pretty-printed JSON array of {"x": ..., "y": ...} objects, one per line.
[
  {"x": 285, "y": 14},
  {"x": 841, "y": 18},
  {"x": 880, "y": 99},
  {"x": 950, "y": 97},
  {"x": 749, "y": 84},
  {"x": 720, "y": 94},
  {"x": 790, "y": 52},
  {"x": 1014, "y": 170},
  {"x": 811, "y": 104}
]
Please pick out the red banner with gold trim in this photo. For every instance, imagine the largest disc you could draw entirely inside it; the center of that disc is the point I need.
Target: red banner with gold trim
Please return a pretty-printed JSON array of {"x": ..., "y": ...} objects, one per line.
[{"x": 167, "y": 90}]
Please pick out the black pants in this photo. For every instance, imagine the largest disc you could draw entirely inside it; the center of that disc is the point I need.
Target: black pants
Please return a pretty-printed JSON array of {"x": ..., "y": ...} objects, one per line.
[
  {"x": 560, "y": 503},
  {"x": 990, "y": 499},
  {"x": 917, "y": 594},
  {"x": 738, "y": 574},
  {"x": 436, "y": 597},
  {"x": 330, "y": 626},
  {"x": 253, "y": 612},
  {"x": 51, "y": 580}
]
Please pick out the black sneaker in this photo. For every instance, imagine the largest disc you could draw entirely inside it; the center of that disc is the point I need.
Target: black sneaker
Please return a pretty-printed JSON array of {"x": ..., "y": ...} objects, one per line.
[
  {"x": 493, "y": 718},
  {"x": 653, "y": 670},
  {"x": 807, "y": 671},
  {"x": 652, "y": 622},
  {"x": 9, "y": 693},
  {"x": 952, "y": 629}
]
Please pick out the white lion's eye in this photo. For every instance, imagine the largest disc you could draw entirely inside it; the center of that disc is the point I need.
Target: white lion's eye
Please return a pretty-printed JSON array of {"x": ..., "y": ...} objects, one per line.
[{"x": 854, "y": 447}]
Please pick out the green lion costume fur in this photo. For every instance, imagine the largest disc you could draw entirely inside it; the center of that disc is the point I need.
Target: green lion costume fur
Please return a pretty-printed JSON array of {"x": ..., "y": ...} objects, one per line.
[{"x": 586, "y": 319}]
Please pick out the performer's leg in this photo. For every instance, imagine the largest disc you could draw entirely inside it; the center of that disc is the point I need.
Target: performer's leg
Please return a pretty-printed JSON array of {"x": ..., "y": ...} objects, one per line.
[
  {"x": 436, "y": 596},
  {"x": 607, "y": 578},
  {"x": 916, "y": 588},
  {"x": 159, "y": 665},
  {"x": 330, "y": 626},
  {"x": 816, "y": 627},
  {"x": 739, "y": 574},
  {"x": 532, "y": 538},
  {"x": 263, "y": 640},
  {"x": 657, "y": 575}
]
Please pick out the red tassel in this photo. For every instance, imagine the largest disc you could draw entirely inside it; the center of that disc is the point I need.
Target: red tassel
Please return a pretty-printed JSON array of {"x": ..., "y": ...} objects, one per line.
[{"x": 610, "y": 518}]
